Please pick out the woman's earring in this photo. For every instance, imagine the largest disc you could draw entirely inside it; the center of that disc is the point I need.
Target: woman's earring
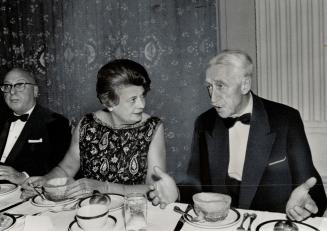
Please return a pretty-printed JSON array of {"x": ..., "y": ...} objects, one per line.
[{"x": 110, "y": 108}]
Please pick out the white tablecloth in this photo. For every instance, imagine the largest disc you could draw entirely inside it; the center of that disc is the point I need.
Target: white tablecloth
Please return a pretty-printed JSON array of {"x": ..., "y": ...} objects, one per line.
[{"x": 158, "y": 219}]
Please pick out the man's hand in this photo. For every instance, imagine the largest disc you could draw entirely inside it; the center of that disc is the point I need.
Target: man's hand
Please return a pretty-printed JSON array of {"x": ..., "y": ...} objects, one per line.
[
  {"x": 300, "y": 204},
  {"x": 10, "y": 174},
  {"x": 164, "y": 191}
]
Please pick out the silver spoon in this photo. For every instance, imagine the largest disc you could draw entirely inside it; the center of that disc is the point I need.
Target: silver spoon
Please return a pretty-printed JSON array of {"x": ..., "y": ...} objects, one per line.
[
  {"x": 180, "y": 211},
  {"x": 189, "y": 217},
  {"x": 253, "y": 216},
  {"x": 245, "y": 216},
  {"x": 35, "y": 188},
  {"x": 285, "y": 225}
]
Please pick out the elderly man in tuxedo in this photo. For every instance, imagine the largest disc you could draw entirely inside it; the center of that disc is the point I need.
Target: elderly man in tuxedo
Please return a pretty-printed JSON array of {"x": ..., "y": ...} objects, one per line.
[
  {"x": 33, "y": 139},
  {"x": 253, "y": 149}
]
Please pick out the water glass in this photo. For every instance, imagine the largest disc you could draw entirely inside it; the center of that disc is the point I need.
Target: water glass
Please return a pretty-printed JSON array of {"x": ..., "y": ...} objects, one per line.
[{"x": 135, "y": 212}]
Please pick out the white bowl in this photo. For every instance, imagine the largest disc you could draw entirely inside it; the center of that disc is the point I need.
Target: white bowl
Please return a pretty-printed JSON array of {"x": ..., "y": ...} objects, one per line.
[
  {"x": 211, "y": 206},
  {"x": 55, "y": 189},
  {"x": 92, "y": 216}
]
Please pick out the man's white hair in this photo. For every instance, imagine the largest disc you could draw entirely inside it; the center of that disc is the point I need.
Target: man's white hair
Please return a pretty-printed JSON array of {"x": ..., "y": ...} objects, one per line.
[{"x": 234, "y": 58}]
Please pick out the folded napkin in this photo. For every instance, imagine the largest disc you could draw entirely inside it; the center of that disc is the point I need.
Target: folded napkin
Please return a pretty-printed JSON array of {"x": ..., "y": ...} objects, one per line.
[{"x": 38, "y": 223}]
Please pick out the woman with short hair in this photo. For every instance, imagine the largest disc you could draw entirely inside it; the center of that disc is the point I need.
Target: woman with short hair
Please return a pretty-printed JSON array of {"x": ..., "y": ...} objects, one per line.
[{"x": 115, "y": 148}]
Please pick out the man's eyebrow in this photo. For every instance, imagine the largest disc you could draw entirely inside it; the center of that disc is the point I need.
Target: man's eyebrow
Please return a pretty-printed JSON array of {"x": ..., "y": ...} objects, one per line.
[
  {"x": 18, "y": 81},
  {"x": 218, "y": 81}
]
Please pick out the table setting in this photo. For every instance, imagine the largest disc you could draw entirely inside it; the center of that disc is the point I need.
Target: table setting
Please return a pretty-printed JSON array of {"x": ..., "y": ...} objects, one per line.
[
  {"x": 100, "y": 212},
  {"x": 250, "y": 220}
]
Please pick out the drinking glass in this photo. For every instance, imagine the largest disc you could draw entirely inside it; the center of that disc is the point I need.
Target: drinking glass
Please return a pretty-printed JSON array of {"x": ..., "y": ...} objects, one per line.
[{"x": 135, "y": 212}]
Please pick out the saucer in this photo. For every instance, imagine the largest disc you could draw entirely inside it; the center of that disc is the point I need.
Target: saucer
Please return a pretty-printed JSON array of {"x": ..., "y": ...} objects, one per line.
[
  {"x": 232, "y": 218},
  {"x": 38, "y": 201},
  {"x": 117, "y": 202},
  {"x": 269, "y": 226},
  {"x": 73, "y": 226},
  {"x": 7, "y": 188},
  {"x": 7, "y": 221}
]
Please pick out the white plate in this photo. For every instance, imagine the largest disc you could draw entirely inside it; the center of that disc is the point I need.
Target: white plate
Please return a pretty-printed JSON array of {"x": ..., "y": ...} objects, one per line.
[
  {"x": 109, "y": 226},
  {"x": 117, "y": 202},
  {"x": 7, "y": 188},
  {"x": 6, "y": 222},
  {"x": 269, "y": 226},
  {"x": 38, "y": 201},
  {"x": 232, "y": 218}
]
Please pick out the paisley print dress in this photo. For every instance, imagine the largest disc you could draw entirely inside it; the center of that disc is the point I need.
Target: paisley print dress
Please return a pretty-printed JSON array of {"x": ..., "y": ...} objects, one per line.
[{"x": 115, "y": 155}]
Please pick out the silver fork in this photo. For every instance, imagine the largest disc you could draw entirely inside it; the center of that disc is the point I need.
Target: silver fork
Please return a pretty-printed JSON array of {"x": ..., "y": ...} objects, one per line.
[
  {"x": 253, "y": 216},
  {"x": 245, "y": 216}
]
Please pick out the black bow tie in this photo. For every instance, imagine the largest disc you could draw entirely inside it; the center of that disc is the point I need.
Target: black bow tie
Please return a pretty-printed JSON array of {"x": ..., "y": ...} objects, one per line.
[
  {"x": 230, "y": 121},
  {"x": 23, "y": 117}
]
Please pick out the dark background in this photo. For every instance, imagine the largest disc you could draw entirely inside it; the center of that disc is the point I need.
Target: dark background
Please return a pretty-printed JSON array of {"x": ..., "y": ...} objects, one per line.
[{"x": 65, "y": 42}]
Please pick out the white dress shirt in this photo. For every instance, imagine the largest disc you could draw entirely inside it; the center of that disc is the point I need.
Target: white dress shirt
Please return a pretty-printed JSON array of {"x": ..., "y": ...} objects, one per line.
[
  {"x": 238, "y": 139},
  {"x": 14, "y": 132}
]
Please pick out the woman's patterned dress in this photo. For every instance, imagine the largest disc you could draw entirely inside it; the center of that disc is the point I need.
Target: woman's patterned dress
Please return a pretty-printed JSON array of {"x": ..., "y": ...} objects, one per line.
[{"x": 115, "y": 155}]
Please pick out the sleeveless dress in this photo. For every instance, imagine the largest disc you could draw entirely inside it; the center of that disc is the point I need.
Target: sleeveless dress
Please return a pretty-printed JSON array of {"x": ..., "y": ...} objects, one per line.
[{"x": 115, "y": 155}]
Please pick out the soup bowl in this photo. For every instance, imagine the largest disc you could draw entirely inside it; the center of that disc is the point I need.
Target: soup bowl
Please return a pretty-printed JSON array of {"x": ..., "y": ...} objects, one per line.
[
  {"x": 55, "y": 189},
  {"x": 210, "y": 206}
]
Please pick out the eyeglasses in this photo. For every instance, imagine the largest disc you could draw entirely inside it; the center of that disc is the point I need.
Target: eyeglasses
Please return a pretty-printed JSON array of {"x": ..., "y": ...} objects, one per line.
[{"x": 6, "y": 88}]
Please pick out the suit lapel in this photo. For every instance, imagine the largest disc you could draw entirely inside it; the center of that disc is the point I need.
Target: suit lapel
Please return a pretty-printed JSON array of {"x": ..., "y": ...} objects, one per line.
[
  {"x": 259, "y": 147},
  {"x": 3, "y": 137},
  {"x": 218, "y": 154}
]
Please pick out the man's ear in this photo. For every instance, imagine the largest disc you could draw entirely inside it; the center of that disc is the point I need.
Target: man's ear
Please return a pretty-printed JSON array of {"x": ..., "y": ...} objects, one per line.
[
  {"x": 246, "y": 85},
  {"x": 36, "y": 91}
]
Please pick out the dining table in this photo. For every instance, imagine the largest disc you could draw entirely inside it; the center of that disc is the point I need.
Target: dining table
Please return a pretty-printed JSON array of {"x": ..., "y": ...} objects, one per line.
[{"x": 30, "y": 216}]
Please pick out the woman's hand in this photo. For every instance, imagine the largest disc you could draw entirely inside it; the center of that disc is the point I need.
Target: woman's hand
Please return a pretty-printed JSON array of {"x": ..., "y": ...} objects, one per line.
[
  {"x": 164, "y": 191},
  {"x": 27, "y": 189},
  {"x": 86, "y": 186}
]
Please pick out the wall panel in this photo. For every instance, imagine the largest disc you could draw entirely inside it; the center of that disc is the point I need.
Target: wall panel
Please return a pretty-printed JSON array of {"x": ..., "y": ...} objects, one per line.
[{"x": 291, "y": 63}]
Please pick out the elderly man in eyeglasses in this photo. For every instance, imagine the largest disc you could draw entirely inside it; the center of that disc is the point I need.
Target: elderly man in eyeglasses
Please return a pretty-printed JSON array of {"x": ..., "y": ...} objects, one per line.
[{"x": 33, "y": 139}]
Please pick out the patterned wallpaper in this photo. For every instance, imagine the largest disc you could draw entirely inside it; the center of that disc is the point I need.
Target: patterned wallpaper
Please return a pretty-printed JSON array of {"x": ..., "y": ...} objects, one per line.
[{"x": 65, "y": 42}]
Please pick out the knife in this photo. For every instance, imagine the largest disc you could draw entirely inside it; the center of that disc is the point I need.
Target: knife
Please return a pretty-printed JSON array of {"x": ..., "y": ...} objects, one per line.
[{"x": 181, "y": 220}]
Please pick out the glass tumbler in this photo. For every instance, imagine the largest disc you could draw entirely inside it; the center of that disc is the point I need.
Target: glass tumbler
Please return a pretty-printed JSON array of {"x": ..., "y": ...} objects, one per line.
[{"x": 135, "y": 212}]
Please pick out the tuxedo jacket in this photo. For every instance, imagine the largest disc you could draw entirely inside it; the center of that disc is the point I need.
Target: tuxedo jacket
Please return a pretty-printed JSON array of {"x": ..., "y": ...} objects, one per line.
[
  {"x": 278, "y": 158},
  {"x": 42, "y": 143},
  {"x": 4, "y": 111}
]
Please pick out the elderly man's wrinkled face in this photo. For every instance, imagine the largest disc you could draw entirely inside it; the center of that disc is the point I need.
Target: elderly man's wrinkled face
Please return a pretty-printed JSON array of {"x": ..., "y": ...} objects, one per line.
[
  {"x": 22, "y": 100},
  {"x": 227, "y": 88}
]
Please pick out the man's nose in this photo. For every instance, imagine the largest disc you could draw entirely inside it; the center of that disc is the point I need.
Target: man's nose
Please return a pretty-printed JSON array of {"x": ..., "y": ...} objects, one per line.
[
  {"x": 215, "y": 96},
  {"x": 12, "y": 90}
]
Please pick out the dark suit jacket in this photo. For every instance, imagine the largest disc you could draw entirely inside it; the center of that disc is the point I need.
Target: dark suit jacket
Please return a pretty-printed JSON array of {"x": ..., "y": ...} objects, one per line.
[
  {"x": 4, "y": 111},
  {"x": 38, "y": 158},
  {"x": 278, "y": 158}
]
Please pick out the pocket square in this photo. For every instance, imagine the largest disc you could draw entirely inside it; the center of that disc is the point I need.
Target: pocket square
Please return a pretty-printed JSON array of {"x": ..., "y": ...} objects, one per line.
[
  {"x": 277, "y": 161},
  {"x": 35, "y": 141}
]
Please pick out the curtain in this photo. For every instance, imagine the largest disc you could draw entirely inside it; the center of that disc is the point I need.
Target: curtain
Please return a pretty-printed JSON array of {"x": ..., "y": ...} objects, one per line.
[
  {"x": 66, "y": 42},
  {"x": 27, "y": 26}
]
